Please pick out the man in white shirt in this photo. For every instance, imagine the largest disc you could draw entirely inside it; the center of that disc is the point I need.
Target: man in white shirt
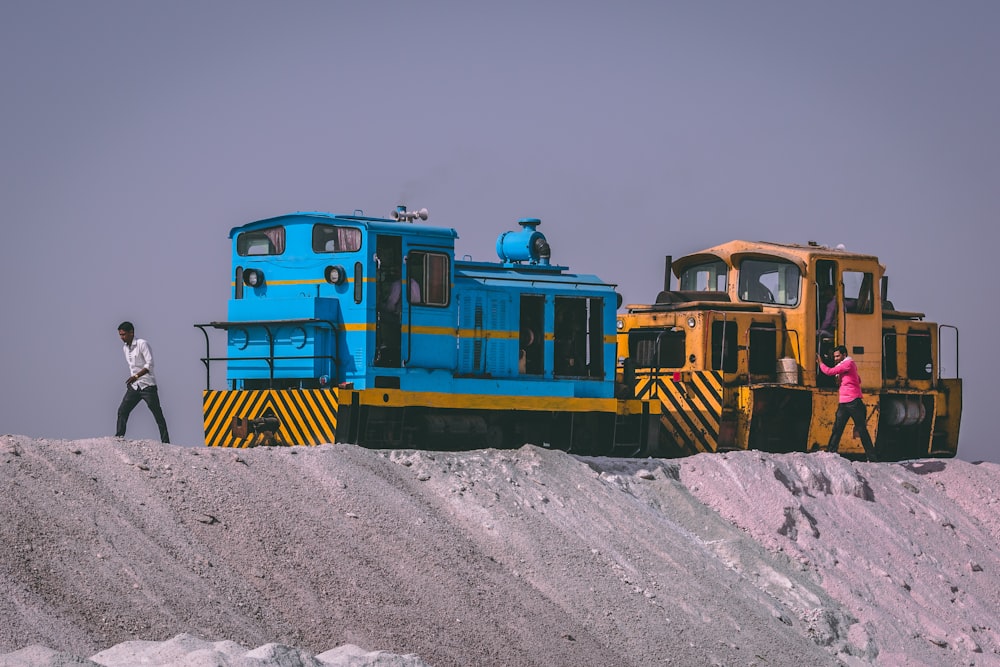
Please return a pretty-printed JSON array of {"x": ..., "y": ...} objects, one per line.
[{"x": 141, "y": 385}]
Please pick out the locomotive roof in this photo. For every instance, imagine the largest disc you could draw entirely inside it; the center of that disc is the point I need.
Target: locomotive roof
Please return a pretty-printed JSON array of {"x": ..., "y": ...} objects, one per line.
[
  {"x": 357, "y": 218},
  {"x": 735, "y": 251},
  {"x": 494, "y": 272}
]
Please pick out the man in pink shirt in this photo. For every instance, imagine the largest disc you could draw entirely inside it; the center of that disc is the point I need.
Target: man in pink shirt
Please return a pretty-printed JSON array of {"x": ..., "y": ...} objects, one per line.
[{"x": 851, "y": 406}]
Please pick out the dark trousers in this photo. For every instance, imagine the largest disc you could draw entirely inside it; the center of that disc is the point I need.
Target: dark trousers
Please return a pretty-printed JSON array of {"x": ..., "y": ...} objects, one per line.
[
  {"x": 131, "y": 399},
  {"x": 855, "y": 411},
  {"x": 390, "y": 331}
]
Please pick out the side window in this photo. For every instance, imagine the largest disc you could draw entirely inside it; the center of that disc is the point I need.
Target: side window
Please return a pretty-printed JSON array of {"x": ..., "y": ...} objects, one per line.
[
  {"x": 859, "y": 295},
  {"x": 769, "y": 281},
  {"x": 270, "y": 241},
  {"x": 331, "y": 238},
  {"x": 890, "y": 364},
  {"x": 431, "y": 274},
  {"x": 919, "y": 356}
]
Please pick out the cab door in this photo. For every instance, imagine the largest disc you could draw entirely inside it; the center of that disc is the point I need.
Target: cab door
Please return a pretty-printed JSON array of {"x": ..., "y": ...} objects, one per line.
[
  {"x": 388, "y": 325},
  {"x": 862, "y": 318},
  {"x": 428, "y": 322}
]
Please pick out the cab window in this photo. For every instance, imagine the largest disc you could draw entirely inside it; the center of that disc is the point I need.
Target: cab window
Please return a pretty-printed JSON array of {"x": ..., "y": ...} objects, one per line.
[
  {"x": 859, "y": 292},
  {"x": 432, "y": 273},
  {"x": 769, "y": 281},
  {"x": 333, "y": 238},
  {"x": 270, "y": 241},
  {"x": 707, "y": 277}
]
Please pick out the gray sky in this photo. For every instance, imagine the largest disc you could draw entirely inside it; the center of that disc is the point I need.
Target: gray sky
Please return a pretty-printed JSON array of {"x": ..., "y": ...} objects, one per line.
[{"x": 136, "y": 134}]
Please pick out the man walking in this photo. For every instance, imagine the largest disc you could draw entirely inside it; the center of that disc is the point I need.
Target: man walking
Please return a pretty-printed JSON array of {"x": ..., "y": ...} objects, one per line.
[
  {"x": 851, "y": 406},
  {"x": 141, "y": 385}
]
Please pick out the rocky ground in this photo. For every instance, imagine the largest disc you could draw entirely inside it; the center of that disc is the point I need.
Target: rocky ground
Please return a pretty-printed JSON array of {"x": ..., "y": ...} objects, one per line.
[{"x": 125, "y": 552}]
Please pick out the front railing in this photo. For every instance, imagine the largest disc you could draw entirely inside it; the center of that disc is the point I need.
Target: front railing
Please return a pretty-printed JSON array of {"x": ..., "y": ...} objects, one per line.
[{"x": 270, "y": 359}]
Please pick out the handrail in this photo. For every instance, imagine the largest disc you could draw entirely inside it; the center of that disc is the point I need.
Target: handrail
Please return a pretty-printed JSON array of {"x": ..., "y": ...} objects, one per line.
[
  {"x": 723, "y": 346},
  {"x": 270, "y": 359}
]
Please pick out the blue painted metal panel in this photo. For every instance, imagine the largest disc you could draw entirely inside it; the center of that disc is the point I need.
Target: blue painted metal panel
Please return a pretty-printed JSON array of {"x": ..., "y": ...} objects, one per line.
[{"x": 310, "y": 348}]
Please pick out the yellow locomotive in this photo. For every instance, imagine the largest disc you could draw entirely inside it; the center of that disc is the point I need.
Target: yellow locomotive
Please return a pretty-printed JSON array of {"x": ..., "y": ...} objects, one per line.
[{"x": 728, "y": 360}]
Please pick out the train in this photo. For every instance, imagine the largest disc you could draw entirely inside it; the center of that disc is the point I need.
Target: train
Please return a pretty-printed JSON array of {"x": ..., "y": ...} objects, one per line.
[
  {"x": 728, "y": 359},
  {"x": 371, "y": 330}
]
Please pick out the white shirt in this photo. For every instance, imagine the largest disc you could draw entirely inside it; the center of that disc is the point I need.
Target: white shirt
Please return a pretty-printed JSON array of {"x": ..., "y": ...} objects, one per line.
[
  {"x": 139, "y": 356},
  {"x": 392, "y": 304}
]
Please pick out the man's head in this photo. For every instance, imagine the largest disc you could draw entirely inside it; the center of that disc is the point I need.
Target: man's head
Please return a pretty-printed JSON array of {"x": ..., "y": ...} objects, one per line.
[
  {"x": 839, "y": 353},
  {"x": 126, "y": 332}
]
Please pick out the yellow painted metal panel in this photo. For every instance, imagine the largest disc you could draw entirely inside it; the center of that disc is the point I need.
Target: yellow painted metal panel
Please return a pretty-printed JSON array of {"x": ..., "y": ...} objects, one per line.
[
  {"x": 396, "y": 398},
  {"x": 306, "y": 416},
  {"x": 824, "y": 412},
  {"x": 691, "y": 406}
]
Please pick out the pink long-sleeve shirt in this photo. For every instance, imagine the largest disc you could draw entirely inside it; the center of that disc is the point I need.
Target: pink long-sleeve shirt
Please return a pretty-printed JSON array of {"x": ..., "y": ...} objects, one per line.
[{"x": 847, "y": 374}]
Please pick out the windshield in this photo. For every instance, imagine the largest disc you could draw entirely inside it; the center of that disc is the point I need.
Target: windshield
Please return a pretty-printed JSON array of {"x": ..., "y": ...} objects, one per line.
[
  {"x": 331, "y": 238},
  {"x": 769, "y": 281},
  {"x": 270, "y": 241},
  {"x": 705, "y": 277}
]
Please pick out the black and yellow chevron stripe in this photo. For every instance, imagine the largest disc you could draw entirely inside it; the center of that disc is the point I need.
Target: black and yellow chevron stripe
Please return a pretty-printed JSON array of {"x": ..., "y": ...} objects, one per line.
[
  {"x": 691, "y": 409},
  {"x": 307, "y": 416}
]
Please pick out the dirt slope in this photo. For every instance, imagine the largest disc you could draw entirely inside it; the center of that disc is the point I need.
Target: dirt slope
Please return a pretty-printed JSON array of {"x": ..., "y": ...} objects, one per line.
[{"x": 525, "y": 557}]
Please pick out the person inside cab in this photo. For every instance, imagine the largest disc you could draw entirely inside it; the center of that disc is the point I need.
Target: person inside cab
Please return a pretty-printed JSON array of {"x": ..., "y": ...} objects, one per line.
[
  {"x": 828, "y": 311},
  {"x": 390, "y": 316}
]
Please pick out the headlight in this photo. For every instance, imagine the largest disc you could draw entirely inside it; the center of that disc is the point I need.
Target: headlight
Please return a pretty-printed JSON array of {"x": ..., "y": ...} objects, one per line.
[
  {"x": 335, "y": 274},
  {"x": 253, "y": 277},
  {"x": 691, "y": 322}
]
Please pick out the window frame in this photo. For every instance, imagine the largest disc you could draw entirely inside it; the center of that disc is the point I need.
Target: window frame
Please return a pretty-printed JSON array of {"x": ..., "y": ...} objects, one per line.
[
  {"x": 753, "y": 268},
  {"x": 432, "y": 272},
  {"x": 275, "y": 237},
  {"x": 356, "y": 237},
  {"x": 692, "y": 276}
]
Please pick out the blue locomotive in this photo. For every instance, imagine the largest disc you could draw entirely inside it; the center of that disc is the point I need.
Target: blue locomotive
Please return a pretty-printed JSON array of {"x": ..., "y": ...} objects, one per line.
[{"x": 367, "y": 330}]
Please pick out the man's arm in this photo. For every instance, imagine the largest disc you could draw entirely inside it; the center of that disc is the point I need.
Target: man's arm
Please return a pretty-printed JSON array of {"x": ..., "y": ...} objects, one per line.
[
  {"x": 147, "y": 354},
  {"x": 836, "y": 370}
]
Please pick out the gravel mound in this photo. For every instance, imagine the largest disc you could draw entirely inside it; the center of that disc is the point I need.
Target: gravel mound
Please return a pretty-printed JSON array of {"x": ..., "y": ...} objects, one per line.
[{"x": 139, "y": 553}]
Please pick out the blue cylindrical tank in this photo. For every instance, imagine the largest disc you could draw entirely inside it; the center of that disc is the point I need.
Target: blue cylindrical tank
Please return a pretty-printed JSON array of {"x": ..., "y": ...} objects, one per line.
[{"x": 527, "y": 245}]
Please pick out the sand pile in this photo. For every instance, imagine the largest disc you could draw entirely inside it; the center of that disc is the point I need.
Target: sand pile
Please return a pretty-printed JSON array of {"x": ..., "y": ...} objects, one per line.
[{"x": 134, "y": 552}]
